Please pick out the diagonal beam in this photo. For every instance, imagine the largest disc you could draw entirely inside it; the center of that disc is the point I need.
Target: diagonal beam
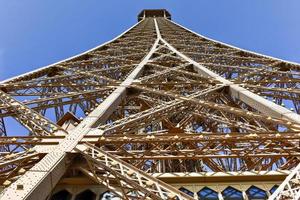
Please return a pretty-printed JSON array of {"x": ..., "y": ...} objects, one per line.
[
  {"x": 251, "y": 99},
  {"x": 290, "y": 187},
  {"x": 139, "y": 183},
  {"x": 115, "y": 98},
  {"x": 161, "y": 110},
  {"x": 221, "y": 107},
  {"x": 58, "y": 100},
  {"x": 102, "y": 180},
  {"x": 36, "y": 123},
  {"x": 45, "y": 174}
]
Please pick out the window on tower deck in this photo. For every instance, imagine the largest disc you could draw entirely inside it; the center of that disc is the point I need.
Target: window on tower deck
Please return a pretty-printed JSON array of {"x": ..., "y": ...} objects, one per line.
[
  {"x": 207, "y": 194},
  {"x": 255, "y": 193},
  {"x": 182, "y": 189},
  {"x": 231, "y": 193}
]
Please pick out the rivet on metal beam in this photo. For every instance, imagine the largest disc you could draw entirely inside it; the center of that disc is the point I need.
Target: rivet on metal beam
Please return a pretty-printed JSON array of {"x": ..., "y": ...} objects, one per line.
[{"x": 20, "y": 187}]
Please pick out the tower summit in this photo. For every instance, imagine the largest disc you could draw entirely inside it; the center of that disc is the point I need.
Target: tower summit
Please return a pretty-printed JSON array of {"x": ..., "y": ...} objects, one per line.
[
  {"x": 154, "y": 13},
  {"x": 160, "y": 112}
]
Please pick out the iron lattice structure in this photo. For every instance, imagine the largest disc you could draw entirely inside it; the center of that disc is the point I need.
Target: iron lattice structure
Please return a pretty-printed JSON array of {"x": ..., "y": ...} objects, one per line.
[{"x": 156, "y": 101}]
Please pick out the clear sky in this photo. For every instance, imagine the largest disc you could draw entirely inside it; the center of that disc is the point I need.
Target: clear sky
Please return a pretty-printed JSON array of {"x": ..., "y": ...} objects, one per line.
[{"x": 34, "y": 33}]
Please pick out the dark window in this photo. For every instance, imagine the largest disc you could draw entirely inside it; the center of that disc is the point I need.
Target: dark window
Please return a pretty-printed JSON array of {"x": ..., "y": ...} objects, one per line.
[
  {"x": 255, "y": 193},
  {"x": 231, "y": 193},
  {"x": 62, "y": 195},
  {"x": 207, "y": 194},
  {"x": 182, "y": 189},
  {"x": 86, "y": 195}
]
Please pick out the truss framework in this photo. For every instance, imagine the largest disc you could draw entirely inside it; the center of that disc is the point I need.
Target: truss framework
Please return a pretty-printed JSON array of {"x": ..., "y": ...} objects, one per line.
[{"x": 157, "y": 99}]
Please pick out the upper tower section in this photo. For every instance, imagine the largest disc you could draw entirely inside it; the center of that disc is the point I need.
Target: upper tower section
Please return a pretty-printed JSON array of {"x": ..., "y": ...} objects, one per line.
[{"x": 154, "y": 13}]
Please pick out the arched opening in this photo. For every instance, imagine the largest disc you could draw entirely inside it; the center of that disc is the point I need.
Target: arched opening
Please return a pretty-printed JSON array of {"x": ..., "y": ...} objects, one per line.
[
  {"x": 182, "y": 189},
  {"x": 231, "y": 193},
  {"x": 255, "y": 193},
  {"x": 62, "y": 195},
  {"x": 86, "y": 195},
  {"x": 207, "y": 194}
]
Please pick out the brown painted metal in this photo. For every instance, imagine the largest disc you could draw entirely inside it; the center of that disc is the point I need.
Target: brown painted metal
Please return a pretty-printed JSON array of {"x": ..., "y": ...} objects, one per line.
[{"x": 157, "y": 99}]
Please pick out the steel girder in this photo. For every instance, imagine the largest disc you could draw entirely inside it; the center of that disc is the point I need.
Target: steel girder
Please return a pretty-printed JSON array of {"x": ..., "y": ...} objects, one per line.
[
  {"x": 130, "y": 182},
  {"x": 158, "y": 98}
]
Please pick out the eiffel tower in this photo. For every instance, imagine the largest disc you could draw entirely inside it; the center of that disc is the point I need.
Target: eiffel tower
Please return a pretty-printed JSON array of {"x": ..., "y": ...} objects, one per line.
[{"x": 160, "y": 112}]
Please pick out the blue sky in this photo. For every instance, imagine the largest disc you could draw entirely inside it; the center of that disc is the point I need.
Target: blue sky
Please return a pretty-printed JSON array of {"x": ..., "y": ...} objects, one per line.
[{"x": 35, "y": 33}]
